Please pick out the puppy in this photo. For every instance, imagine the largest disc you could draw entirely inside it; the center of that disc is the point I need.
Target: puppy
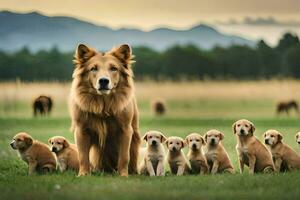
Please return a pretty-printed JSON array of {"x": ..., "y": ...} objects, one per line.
[
  {"x": 66, "y": 153},
  {"x": 284, "y": 157},
  {"x": 195, "y": 155},
  {"x": 36, "y": 154},
  {"x": 250, "y": 150},
  {"x": 176, "y": 159},
  {"x": 298, "y": 137},
  {"x": 153, "y": 162},
  {"x": 217, "y": 158}
]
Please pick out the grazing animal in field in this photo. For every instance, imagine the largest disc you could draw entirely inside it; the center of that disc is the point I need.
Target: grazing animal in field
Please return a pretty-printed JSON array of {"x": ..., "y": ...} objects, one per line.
[
  {"x": 251, "y": 151},
  {"x": 42, "y": 105},
  {"x": 36, "y": 154},
  {"x": 104, "y": 111},
  {"x": 284, "y": 157},
  {"x": 66, "y": 153},
  {"x": 286, "y": 107},
  {"x": 217, "y": 157},
  {"x": 159, "y": 108}
]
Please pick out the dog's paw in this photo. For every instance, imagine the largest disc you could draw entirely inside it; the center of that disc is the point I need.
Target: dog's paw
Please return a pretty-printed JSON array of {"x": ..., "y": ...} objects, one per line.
[
  {"x": 123, "y": 173},
  {"x": 81, "y": 173}
]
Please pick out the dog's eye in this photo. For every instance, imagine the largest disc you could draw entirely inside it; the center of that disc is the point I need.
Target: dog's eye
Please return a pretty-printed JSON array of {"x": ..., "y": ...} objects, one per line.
[
  {"x": 58, "y": 143},
  {"x": 150, "y": 136},
  {"x": 197, "y": 140},
  {"x": 191, "y": 140},
  {"x": 52, "y": 143},
  {"x": 171, "y": 142},
  {"x": 177, "y": 143},
  {"x": 238, "y": 125},
  {"x": 113, "y": 69},
  {"x": 18, "y": 140},
  {"x": 246, "y": 126},
  {"x": 93, "y": 69}
]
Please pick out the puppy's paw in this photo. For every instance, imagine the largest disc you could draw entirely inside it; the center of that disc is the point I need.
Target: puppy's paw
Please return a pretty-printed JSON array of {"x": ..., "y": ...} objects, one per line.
[
  {"x": 123, "y": 173},
  {"x": 83, "y": 173},
  {"x": 268, "y": 170}
]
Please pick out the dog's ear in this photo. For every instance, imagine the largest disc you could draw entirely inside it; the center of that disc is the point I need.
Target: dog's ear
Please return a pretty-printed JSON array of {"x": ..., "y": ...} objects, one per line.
[
  {"x": 183, "y": 143},
  {"x": 167, "y": 142},
  {"x": 221, "y": 136},
  {"x": 145, "y": 136},
  {"x": 123, "y": 53},
  {"x": 84, "y": 53},
  {"x": 265, "y": 134},
  {"x": 49, "y": 140},
  {"x": 297, "y": 135},
  {"x": 187, "y": 140},
  {"x": 66, "y": 143},
  {"x": 234, "y": 127},
  {"x": 28, "y": 140},
  {"x": 252, "y": 129},
  {"x": 162, "y": 138},
  {"x": 202, "y": 140},
  {"x": 280, "y": 137},
  {"x": 205, "y": 138}
]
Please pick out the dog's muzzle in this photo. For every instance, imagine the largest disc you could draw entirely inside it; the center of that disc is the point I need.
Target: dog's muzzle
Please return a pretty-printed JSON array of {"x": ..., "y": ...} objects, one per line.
[
  {"x": 54, "y": 149},
  {"x": 12, "y": 145},
  {"x": 154, "y": 143},
  {"x": 266, "y": 141},
  {"x": 103, "y": 83}
]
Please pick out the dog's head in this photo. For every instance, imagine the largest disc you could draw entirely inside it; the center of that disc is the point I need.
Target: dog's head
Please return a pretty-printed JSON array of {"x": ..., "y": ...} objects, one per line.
[
  {"x": 21, "y": 141},
  {"x": 272, "y": 137},
  {"x": 243, "y": 127},
  {"x": 175, "y": 144},
  {"x": 58, "y": 143},
  {"x": 195, "y": 141},
  {"x": 154, "y": 138},
  {"x": 103, "y": 71},
  {"x": 298, "y": 137},
  {"x": 213, "y": 137}
]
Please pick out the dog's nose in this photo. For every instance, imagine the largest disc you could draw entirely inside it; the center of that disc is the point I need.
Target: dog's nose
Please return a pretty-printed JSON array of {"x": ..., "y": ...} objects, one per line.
[
  {"x": 54, "y": 149},
  {"x": 266, "y": 141},
  {"x": 153, "y": 142},
  {"x": 12, "y": 144},
  {"x": 242, "y": 131},
  {"x": 174, "y": 149},
  {"x": 103, "y": 82},
  {"x": 194, "y": 145},
  {"x": 298, "y": 142}
]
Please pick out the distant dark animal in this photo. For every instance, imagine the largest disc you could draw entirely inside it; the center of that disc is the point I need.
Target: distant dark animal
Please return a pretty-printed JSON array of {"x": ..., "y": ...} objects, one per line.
[
  {"x": 42, "y": 105},
  {"x": 159, "y": 108},
  {"x": 286, "y": 106}
]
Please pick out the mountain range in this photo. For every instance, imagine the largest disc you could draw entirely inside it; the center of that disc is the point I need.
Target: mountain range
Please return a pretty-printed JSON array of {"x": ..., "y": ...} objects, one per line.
[{"x": 37, "y": 31}]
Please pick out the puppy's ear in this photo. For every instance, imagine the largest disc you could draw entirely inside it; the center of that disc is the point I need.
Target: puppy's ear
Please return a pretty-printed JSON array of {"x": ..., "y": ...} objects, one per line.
[
  {"x": 50, "y": 140},
  {"x": 28, "y": 141},
  {"x": 252, "y": 129},
  {"x": 167, "y": 142},
  {"x": 297, "y": 135},
  {"x": 123, "y": 53},
  {"x": 162, "y": 138},
  {"x": 187, "y": 140},
  {"x": 183, "y": 143},
  {"x": 221, "y": 136},
  {"x": 205, "y": 137},
  {"x": 145, "y": 136},
  {"x": 280, "y": 137},
  {"x": 202, "y": 140},
  {"x": 265, "y": 134},
  {"x": 234, "y": 127},
  {"x": 66, "y": 143},
  {"x": 83, "y": 53}
]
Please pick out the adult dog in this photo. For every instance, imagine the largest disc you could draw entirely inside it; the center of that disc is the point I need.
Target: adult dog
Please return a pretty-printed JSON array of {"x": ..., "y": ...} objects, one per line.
[{"x": 104, "y": 111}]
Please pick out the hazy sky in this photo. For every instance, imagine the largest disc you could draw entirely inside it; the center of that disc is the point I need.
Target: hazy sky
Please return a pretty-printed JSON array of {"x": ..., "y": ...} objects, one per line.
[{"x": 153, "y": 13}]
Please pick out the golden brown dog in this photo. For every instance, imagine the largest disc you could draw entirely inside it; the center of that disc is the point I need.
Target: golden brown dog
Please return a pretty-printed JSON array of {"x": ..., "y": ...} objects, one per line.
[
  {"x": 298, "y": 138},
  {"x": 36, "y": 154},
  {"x": 176, "y": 158},
  {"x": 66, "y": 153},
  {"x": 195, "y": 155},
  {"x": 154, "y": 157},
  {"x": 284, "y": 157},
  {"x": 216, "y": 155},
  {"x": 104, "y": 111},
  {"x": 251, "y": 151}
]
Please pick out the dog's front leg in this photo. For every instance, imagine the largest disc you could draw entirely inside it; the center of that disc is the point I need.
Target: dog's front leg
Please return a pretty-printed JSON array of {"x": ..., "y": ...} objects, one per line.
[
  {"x": 124, "y": 151},
  {"x": 62, "y": 165},
  {"x": 252, "y": 160},
  {"x": 241, "y": 165},
  {"x": 277, "y": 163},
  {"x": 83, "y": 142},
  {"x": 180, "y": 170},
  {"x": 31, "y": 166},
  {"x": 150, "y": 167},
  {"x": 215, "y": 167},
  {"x": 160, "y": 171}
]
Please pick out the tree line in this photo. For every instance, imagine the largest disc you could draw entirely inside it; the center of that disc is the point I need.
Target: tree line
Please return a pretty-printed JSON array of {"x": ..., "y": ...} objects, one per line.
[{"x": 175, "y": 63}]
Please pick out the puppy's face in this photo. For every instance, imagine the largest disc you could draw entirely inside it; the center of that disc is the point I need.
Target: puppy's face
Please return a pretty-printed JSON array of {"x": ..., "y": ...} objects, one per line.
[
  {"x": 243, "y": 127},
  {"x": 272, "y": 137},
  {"x": 58, "y": 143},
  {"x": 21, "y": 141},
  {"x": 213, "y": 137},
  {"x": 298, "y": 138},
  {"x": 175, "y": 144},
  {"x": 195, "y": 141},
  {"x": 154, "y": 138}
]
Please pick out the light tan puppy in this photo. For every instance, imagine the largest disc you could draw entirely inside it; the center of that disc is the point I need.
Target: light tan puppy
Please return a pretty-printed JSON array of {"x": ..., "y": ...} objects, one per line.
[
  {"x": 298, "y": 137},
  {"x": 154, "y": 157},
  {"x": 36, "y": 154},
  {"x": 284, "y": 157},
  {"x": 251, "y": 151},
  {"x": 176, "y": 158},
  {"x": 217, "y": 158},
  {"x": 195, "y": 155},
  {"x": 66, "y": 153}
]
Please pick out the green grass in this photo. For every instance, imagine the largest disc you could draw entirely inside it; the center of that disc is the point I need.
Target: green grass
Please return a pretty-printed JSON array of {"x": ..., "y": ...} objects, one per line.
[{"x": 15, "y": 184}]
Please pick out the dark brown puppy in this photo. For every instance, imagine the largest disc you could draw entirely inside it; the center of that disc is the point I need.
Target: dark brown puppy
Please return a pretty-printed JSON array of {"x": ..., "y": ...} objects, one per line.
[
  {"x": 104, "y": 111},
  {"x": 159, "y": 107},
  {"x": 287, "y": 106},
  {"x": 42, "y": 105}
]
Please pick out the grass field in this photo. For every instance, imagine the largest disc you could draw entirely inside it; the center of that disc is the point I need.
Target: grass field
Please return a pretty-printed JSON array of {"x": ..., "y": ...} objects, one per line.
[{"x": 192, "y": 107}]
